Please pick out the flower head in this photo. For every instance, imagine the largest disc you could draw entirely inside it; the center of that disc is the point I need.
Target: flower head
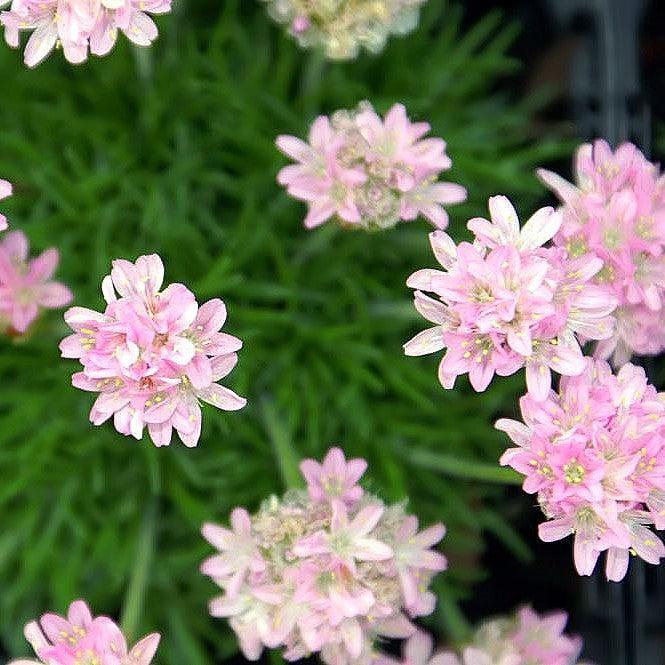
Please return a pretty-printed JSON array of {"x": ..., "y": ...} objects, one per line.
[
  {"x": 616, "y": 212},
  {"x": 594, "y": 453},
  {"x": 80, "y": 27},
  {"x": 153, "y": 355},
  {"x": 368, "y": 172},
  {"x": 343, "y": 27},
  {"x": 525, "y": 637},
  {"x": 505, "y": 301},
  {"x": 522, "y": 638},
  {"x": 312, "y": 572},
  {"x": 26, "y": 287},
  {"x": 81, "y": 639}
]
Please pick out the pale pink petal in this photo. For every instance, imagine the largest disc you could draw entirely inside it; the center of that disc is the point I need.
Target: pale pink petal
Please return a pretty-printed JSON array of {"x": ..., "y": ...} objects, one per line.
[
  {"x": 35, "y": 636},
  {"x": 554, "y": 530},
  {"x": 6, "y": 189},
  {"x": 223, "y": 365},
  {"x": 43, "y": 267},
  {"x": 370, "y": 549},
  {"x": 585, "y": 555},
  {"x": 319, "y": 213},
  {"x": 539, "y": 228},
  {"x": 222, "y": 398},
  {"x": 15, "y": 243},
  {"x": 103, "y": 36},
  {"x": 425, "y": 342},
  {"x": 366, "y": 519},
  {"x": 562, "y": 188},
  {"x": 218, "y": 536},
  {"x": 444, "y": 248},
  {"x": 353, "y": 638},
  {"x": 55, "y": 627},
  {"x": 142, "y": 29},
  {"x": 616, "y": 564},
  {"x": 436, "y": 214},
  {"x": 418, "y": 649},
  {"x": 423, "y": 279},
  {"x": 41, "y": 43},
  {"x": 55, "y": 295},
  {"x": 518, "y": 432},
  {"x": 144, "y": 650},
  {"x": 538, "y": 380},
  {"x": 211, "y": 316},
  {"x": 294, "y": 148},
  {"x": 160, "y": 433},
  {"x": 79, "y": 614},
  {"x": 504, "y": 216}
]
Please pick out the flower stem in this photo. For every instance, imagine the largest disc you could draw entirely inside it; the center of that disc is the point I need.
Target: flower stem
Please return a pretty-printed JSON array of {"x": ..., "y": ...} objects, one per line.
[
  {"x": 463, "y": 468},
  {"x": 133, "y": 605},
  {"x": 287, "y": 456}
]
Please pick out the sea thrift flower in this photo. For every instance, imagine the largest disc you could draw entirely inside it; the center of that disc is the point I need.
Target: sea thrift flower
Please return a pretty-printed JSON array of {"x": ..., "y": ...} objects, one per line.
[
  {"x": 80, "y": 27},
  {"x": 369, "y": 173},
  {"x": 328, "y": 570},
  {"x": 594, "y": 453},
  {"x": 616, "y": 211},
  {"x": 81, "y": 638},
  {"x": 5, "y": 191},
  {"x": 25, "y": 284},
  {"x": 525, "y": 637},
  {"x": 342, "y": 27},
  {"x": 335, "y": 478},
  {"x": 153, "y": 354},
  {"x": 506, "y": 302}
]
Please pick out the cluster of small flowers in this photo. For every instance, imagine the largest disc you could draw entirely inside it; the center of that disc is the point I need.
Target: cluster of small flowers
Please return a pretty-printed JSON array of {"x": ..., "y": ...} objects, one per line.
[
  {"x": 343, "y": 27},
  {"x": 595, "y": 454},
  {"x": 79, "y": 26},
  {"x": 521, "y": 639},
  {"x": 25, "y": 284},
  {"x": 505, "y": 302},
  {"x": 327, "y": 570},
  {"x": 368, "y": 172},
  {"x": 616, "y": 211},
  {"x": 83, "y": 639},
  {"x": 152, "y": 354}
]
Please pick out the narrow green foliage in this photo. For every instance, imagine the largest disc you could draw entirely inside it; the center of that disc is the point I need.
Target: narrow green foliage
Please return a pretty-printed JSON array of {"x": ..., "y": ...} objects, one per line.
[{"x": 171, "y": 151}]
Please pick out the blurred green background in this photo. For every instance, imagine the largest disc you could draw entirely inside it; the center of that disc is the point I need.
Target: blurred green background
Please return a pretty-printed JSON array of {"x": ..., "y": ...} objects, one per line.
[{"x": 170, "y": 150}]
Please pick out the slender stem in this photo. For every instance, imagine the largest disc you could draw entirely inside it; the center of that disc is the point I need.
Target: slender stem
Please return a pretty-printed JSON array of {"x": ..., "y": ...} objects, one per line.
[
  {"x": 133, "y": 605},
  {"x": 463, "y": 468},
  {"x": 285, "y": 452},
  {"x": 457, "y": 625},
  {"x": 144, "y": 63}
]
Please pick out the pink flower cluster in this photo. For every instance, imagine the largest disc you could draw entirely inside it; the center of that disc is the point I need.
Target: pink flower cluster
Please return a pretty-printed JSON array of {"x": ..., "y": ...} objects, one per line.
[
  {"x": 526, "y": 638},
  {"x": 5, "y": 191},
  {"x": 594, "y": 453},
  {"x": 342, "y": 27},
  {"x": 324, "y": 571},
  {"x": 506, "y": 302},
  {"x": 152, "y": 355},
  {"x": 81, "y": 638},
  {"x": 25, "y": 284},
  {"x": 367, "y": 172},
  {"x": 616, "y": 211},
  {"x": 79, "y": 26}
]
